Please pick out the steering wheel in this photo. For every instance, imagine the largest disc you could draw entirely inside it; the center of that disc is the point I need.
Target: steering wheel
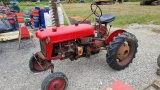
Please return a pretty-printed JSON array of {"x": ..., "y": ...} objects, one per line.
[{"x": 93, "y": 9}]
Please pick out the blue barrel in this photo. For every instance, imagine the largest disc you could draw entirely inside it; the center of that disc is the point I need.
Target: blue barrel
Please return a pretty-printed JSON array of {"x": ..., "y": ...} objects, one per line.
[
  {"x": 35, "y": 18},
  {"x": 43, "y": 25},
  {"x": 13, "y": 26},
  {"x": 31, "y": 16},
  {"x": 42, "y": 13},
  {"x": 42, "y": 20},
  {"x": 46, "y": 8},
  {"x": 36, "y": 23},
  {"x": 37, "y": 8},
  {"x": 12, "y": 22}
]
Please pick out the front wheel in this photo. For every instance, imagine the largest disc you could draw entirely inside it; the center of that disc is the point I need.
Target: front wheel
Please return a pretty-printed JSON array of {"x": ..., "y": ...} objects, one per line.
[
  {"x": 37, "y": 65},
  {"x": 121, "y": 51},
  {"x": 55, "y": 81}
]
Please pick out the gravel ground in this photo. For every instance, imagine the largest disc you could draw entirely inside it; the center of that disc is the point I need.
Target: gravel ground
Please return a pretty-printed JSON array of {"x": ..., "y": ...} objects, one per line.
[{"x": 83, "y": 74}]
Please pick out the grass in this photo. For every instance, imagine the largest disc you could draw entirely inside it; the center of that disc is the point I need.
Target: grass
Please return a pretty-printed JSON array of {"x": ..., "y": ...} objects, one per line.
[
  {"x": 30, "y": 5},
  {"x": 126, "y": 13}
]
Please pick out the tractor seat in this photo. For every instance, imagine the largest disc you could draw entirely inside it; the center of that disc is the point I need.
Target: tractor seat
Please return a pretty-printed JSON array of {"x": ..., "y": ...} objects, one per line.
[{"x": 106, "y": 18}]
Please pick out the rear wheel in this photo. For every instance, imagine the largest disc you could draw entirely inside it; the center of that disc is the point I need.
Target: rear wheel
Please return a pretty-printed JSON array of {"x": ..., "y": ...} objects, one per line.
[
  {"x": 38, "y": 65},
  {"x": 121, "y": 51},
  {"x": 55, "y": 81}
]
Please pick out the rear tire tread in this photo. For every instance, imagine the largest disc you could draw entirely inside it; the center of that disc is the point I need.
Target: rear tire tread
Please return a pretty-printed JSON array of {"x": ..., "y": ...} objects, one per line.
[{"x": 113, "y": 48}]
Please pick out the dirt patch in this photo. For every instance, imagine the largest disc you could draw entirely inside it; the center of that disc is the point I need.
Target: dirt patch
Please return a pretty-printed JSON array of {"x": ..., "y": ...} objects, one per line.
[{"x": 156, "y": 30}]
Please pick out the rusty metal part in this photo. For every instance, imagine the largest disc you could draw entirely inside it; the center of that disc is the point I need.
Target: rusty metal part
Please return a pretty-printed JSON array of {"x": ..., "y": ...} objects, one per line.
[
  {"x": 42, "y": 63},
  {"x": 80, "y": 51},
  {"x": 88, "y": 52},
  {"x": 55, "y": 17},
  {"x": 40, "y": 55},
  {"x": 155, "y": 84},
  {"x": 59, "y": 56},
  {"x": 99, "y": 39},
  {"x": 85, "y": 40},
  {"x": 71, "y": 57},
  {"x": 52, "y": 68},
  {"x": 99, "y": 43},
  {"x": 37, "y": 61},
  {"x": 42, "y": 60},
  {"x": 123, "y": 51},
  {"x": 70, "y": 49}
]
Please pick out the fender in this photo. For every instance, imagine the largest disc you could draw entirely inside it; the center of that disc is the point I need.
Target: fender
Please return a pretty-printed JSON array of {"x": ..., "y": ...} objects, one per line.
[{"x": 113, "y": 34}]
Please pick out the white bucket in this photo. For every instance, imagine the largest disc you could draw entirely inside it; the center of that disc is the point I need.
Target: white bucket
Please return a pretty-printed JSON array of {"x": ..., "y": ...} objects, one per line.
[
  {"x": 61, "y": 16},
  {"x": 48, "y": 19}
]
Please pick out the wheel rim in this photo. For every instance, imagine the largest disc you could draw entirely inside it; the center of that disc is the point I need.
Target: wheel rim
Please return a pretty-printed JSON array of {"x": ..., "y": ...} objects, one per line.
[
  {"x": 125, "y": 53},
  {"x": 56, "y": 84}
]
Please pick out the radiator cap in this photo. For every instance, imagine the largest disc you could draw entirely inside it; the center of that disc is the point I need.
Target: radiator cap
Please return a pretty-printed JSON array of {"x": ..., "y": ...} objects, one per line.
[
  {"x": 76, "y": 24},
  {"x": 54, "y": 29},
  {"x": 41, "y": 29}
]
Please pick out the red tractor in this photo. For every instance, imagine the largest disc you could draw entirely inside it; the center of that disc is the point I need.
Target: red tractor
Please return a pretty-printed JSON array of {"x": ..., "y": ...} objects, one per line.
[{"x": 81, "y": 40}]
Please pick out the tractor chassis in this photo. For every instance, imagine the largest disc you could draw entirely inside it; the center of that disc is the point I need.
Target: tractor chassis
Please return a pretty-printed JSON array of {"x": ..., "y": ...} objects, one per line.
[{"x": 40, "y": 58}]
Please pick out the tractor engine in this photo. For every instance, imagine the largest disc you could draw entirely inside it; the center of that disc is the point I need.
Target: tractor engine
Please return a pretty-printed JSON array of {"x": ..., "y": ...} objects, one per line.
[
  {"x": 73, "y": 49},
  {"x": 66, "y": 42}
]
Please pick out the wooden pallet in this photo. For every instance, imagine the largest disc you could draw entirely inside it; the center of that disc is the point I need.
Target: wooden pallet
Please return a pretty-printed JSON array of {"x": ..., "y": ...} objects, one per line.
[{"x": 12, "y": 35}]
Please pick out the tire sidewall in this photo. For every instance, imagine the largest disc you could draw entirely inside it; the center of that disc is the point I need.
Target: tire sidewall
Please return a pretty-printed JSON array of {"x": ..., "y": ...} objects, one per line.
[
  {"x": 115, "y": 56},
  {"x": 53, "y": 76},
  {"x": 113, "y": 50},
  {"x": 31, "y": 65},
  {"x": 158, "y": 61}
]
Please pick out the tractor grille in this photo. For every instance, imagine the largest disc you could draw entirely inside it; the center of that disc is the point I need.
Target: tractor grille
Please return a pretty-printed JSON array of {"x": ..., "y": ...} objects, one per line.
[{"x": 42, "y": 47}]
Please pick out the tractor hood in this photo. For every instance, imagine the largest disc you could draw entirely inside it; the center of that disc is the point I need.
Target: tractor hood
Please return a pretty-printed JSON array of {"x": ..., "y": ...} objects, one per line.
[{"x": 65, "y": 33}]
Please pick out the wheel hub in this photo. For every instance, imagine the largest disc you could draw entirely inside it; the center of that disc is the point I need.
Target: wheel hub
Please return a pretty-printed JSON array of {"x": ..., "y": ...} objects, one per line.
[
  {"x": 56, "y": 84},
  {"x": 123, "y": 51}
]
